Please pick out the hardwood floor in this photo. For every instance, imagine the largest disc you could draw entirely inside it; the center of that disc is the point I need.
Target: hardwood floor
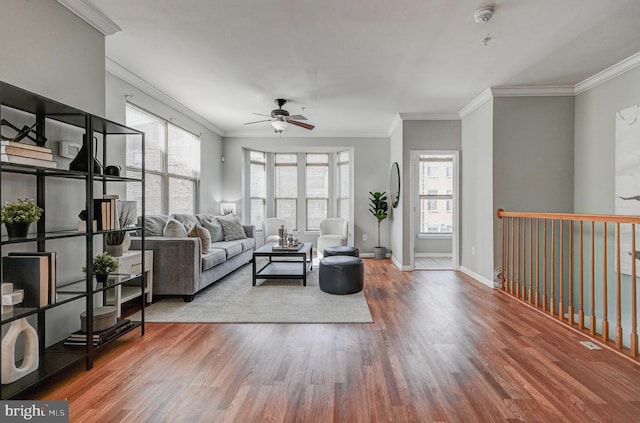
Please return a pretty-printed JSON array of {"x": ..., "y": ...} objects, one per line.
[{"x": 442, "y": 348}]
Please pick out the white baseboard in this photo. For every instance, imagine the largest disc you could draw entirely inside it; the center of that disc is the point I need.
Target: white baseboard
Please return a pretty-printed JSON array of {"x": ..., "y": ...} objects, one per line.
[
  {"x": 477, "y": 277},
  {"x": 371, "y": 255},
  {"x": 399, "y": 265}
]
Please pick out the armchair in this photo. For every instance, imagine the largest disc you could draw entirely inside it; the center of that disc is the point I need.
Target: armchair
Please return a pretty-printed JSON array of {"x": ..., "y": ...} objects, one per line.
[
  {"x": 270, "y": 228},
  {"x": 333, "y": 232}
]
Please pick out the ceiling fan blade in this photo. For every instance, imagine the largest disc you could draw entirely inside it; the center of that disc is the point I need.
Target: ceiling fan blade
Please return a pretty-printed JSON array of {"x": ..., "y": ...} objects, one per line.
[
  {"x": 261, "y": 114},
  {"x": 297, "y": 117},
  {"x": 258, "y": 121},
  {"x": 300, "y": 124}
]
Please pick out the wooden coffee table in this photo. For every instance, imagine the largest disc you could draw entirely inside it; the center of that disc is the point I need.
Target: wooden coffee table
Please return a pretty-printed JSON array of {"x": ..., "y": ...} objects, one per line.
[{"x": 296, "y": 266}]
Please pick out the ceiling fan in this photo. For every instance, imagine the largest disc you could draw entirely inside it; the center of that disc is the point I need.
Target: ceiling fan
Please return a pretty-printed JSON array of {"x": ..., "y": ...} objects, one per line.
[{"x": 280, "y": 118}]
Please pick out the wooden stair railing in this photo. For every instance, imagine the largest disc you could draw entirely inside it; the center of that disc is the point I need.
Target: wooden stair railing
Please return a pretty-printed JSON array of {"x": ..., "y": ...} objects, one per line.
[{"x": 545, "y": 270}]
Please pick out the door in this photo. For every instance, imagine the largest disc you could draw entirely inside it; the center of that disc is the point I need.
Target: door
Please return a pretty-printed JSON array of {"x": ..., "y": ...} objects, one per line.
[{"x": 434, "y": 206}]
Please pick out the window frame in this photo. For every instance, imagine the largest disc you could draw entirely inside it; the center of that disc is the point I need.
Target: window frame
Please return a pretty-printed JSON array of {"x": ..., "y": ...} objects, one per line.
[{"x": 432, "y": 197}]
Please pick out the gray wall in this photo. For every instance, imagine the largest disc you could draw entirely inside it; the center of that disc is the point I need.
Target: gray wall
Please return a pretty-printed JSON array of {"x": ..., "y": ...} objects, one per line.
[
  {"x": 476, "y": 174},
  {"x": 210, "y": 143},
  {"x": 532, "y": 156},
  {"x": 371, "y": 173},
  {"x": 595, "y": 127},
  {"x": 48, "y": 50},
  {"x": 433, "y": 246},
  {"x": 395, "y": 216},
  {"x": 424, "y": 135}
]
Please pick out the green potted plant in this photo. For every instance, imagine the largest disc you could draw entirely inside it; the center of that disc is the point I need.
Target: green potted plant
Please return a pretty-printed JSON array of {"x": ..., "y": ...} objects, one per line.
[
  {"x": 19, "y": 215},
  {"x": 115, "y": 243},
  {"x": 379, "y": 209},
  {"x": 103, "y": 264}
]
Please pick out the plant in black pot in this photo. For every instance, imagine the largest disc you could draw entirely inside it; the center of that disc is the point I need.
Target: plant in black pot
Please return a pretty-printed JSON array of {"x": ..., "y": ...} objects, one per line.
[
  {"x": 379, "y": 209},
  {"x": 19, "y": 215},
  {"x": 103, "y": 264}
]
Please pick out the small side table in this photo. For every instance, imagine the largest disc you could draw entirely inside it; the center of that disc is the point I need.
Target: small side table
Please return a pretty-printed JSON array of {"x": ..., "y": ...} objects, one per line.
[{"x": 131, "y": 262}]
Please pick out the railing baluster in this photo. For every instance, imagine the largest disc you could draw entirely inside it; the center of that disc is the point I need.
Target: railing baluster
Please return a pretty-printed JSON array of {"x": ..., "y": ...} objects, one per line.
[
  {"x": 518, "y": 262},
  {"x": 513, "y": 247},
  {"x": 537, "y": 262},
  {"x": 552, "y": 297},
  {"x": 605, "y": 305},
  {"x": 618, "y": 300},
  {"x": 530, "y": 260},
  {"x": 561, "y": 293},
  {"x": 544, "y": 270},
  {"x": 634, "y": 311},
  {"x": 592, "y": 320},
  {"x": 504, "y": 268},
  {"x": 581, "y": 311},
  {"x": 570, "y": 307}
]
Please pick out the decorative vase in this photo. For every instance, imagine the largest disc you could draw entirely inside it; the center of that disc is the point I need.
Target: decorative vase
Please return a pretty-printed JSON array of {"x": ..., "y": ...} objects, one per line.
[
  {"x": 115, "y": 250},
  {"x": 30, "y": 361},
  {"x": 102, "y": 277},
  {"x": 80, "y": 163},
  {"x": 18, "y": 229}
]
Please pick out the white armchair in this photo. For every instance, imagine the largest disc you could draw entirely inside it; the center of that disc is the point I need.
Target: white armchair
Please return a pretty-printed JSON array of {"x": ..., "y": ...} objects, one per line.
[
  {"x": 333, "y": 232},
  {"x": 270, "y": 228}
]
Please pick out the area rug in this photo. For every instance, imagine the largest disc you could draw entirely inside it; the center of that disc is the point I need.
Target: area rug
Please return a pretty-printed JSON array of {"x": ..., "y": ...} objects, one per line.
[{"x": 233, "y": 299}]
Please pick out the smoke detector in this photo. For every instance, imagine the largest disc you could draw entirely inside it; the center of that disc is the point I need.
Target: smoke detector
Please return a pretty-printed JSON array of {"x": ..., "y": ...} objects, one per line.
[{"x": 483, "y": 14}]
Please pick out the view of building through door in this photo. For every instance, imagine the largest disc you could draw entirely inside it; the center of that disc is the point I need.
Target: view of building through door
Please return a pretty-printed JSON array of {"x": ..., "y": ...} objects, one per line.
[{"x": 434, "y": 214}]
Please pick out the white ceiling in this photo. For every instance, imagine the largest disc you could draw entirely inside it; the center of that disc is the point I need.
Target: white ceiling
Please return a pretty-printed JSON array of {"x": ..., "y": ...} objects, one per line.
[{"x": 350, "y": 66}]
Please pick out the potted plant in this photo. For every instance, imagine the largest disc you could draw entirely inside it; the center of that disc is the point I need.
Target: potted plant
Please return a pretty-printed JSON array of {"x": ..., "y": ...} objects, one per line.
[
  {"x": 378, "y": 209},
  {"x": 115, "y": 243},
  {"x": 103, "y": 264},
  {"x": 19, "y": 215}
]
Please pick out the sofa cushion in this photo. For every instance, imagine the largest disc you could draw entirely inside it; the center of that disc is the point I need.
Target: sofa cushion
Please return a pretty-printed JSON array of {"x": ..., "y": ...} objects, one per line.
[
  {"x": 231, "y": 248},
  {"x": 188, "y": 220},
  {"x": 247, "y": 243},
  {"x": 232, "y": 229},
  {"x": 203, "y": 234},
  {"x": 215, "y": 229},
  {"x": 153, "y": 224},
  {"x": 213, "y": 257},
  {"x": 205, "y": 217},
  {"x": 174, "y": 229}
]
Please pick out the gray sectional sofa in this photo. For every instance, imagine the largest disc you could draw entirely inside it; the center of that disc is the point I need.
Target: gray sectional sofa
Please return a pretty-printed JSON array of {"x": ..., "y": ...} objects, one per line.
[{"x": 180, "y": 266}]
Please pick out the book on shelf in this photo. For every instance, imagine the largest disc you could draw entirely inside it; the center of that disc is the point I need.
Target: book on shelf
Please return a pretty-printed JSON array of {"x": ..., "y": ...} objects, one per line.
[
  {"x": 101, "y": 213},
  {"x": 10, "y": 158},
  {"x": 25, "y": 146},
  {"x": 24, "y": 152},
  {"x": 30, "y": 273},
  {"x": 113, "y": 201},
  {"x": 52, "y": 269},
  {"x": 79, "y": 338}
]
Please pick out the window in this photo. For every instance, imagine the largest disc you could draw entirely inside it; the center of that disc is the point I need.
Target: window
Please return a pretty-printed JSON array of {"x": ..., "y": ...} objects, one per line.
[
  {"x": 304, "y": 188},
  {"x": 286, "y": 187},
  {"x": 435, "y": 194},
  {"x": 343, "y": 184},
  {"x": 317, "y": 179},
  {"x": 258, "y": 189},
  {"x": 172, "y": 164}
]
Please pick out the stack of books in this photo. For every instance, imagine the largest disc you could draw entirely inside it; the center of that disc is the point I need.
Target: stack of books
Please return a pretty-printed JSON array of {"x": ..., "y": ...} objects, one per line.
[
  {"x": 35, "y": 272},
  {"x": 105, "y": 212},
  {"x": 79, "y": 338},
  {"x": 28, "y": 154}
]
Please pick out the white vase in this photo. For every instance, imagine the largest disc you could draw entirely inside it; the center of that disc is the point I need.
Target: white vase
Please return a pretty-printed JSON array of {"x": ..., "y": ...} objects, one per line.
[
  {"x": 30, "y": 362},
  {"x": 114, "y": 250}
]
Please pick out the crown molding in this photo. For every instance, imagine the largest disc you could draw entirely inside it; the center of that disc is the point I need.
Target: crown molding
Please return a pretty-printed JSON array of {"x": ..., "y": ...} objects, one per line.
[
  {"x": 484, "y": 97},
  {"x": 120, "y": 72},
  {"x": 397, "y": 121},
  {"x": 430, "y": 116},
  {"x": 86, "y": 11},
  {"x": 611, "y": 72},
  {"x": 534, "y": 91}
]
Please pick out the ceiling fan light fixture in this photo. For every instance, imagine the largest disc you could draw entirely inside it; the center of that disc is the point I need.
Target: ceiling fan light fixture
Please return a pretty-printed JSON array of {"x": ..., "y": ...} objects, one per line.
[{"x": 279, "y": 125}]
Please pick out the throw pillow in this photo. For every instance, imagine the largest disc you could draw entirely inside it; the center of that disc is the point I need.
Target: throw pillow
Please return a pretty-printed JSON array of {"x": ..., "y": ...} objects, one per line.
[
  {"x": 205, "y": 237},
  {"x": 174, "y": 229},
  {"x": 232, "y": 230},
  {"x": 214, "y": 229}
]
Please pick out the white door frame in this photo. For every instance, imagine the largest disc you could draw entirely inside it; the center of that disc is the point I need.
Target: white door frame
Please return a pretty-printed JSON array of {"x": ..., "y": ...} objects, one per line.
[{"x": 455, "y": 236}]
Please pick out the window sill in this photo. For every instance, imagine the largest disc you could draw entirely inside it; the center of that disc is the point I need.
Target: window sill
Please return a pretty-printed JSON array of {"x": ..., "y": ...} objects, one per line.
[{"x": 441, "y": 236}]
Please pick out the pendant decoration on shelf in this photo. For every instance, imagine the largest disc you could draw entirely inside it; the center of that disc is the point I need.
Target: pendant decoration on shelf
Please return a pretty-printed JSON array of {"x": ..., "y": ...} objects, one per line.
[{"x": 80, "y": 162}]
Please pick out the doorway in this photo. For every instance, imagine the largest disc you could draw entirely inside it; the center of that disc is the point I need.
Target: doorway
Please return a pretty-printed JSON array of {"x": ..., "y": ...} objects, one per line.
[{"x": 434, "y": 210}]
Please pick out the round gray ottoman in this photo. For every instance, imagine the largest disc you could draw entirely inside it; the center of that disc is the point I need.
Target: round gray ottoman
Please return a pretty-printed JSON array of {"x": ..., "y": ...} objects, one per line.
[
  {"x": 341, "y": 250},
  {"x": 341, "y": 275}
]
